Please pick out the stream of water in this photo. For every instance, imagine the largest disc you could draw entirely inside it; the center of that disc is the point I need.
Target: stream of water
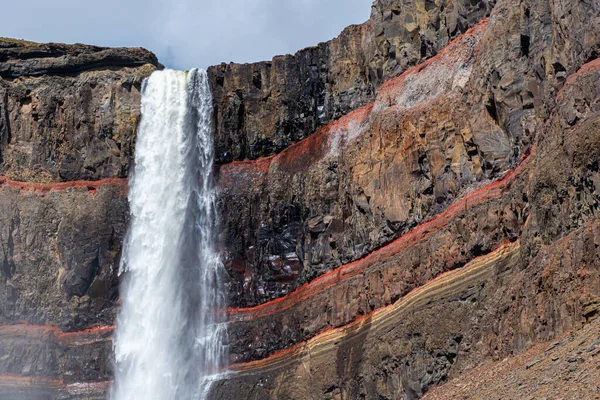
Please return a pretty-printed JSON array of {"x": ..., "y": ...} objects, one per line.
[{"x": 168, "y": 343}]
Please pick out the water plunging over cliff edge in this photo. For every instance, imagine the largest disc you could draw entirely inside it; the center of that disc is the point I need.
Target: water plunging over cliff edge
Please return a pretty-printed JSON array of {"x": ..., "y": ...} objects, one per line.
[{"x": 168, "y": 344}]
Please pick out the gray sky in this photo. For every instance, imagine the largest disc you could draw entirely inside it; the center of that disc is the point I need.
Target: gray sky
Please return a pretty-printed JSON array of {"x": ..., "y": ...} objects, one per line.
[{"x": 186, "y": 33}]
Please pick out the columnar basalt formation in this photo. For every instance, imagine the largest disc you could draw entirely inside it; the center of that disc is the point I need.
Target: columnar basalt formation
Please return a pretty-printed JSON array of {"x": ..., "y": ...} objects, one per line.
[
  {"x": 439, "y": 130},
  {"x": 473, "y": 225},
  {"x": 549, "y": 287},
  {"x": 262, "y": 108},
  {"x": 69, "y": 112},
  {"x": 408, "y": 202},
  {"x": 366, "y": 356},
  {"x": 343, "y": 192}
]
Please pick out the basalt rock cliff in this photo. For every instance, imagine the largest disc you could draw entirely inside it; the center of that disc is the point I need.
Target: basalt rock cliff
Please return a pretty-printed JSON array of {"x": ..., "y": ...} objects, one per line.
[{"x": 412, "y": 204}]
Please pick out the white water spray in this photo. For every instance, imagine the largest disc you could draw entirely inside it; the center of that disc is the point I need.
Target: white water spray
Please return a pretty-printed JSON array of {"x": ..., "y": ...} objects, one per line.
[{"x": 168, "y": 343}]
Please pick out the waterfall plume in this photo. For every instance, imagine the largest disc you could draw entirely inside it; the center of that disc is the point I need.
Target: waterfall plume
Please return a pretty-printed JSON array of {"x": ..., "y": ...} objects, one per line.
[{"x": 169, "y": 343}]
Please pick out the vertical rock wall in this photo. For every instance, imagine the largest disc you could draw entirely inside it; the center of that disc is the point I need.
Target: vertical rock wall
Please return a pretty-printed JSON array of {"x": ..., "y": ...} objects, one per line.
[{"x": 68, "y": 116}]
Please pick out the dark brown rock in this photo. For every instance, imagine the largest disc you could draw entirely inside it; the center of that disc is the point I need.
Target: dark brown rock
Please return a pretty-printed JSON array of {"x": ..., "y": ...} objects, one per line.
[
  {"x": 19, "y": 58},
  {"x": 450, "y": 219},
  {"x": 439, "y": 130},
  {"x": 59, "y": 253},
  {"x": 548, "y": 288},
  {"x": 69, "y": 112}
]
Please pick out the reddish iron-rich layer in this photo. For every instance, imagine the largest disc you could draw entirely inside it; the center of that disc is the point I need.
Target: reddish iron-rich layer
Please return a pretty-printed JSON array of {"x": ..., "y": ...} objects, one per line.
[
  {"x": 232, "y": 174},
  {"x": 91, "y": 186},
  {"x": 28, "y": 383},
  {"x": 357, "y": 268},
  {"x": 585, "y": 68},
  {"x": 296, "y": 157},
  {"x": 309, "y": 151},
  {"x": 91, "y": 335},
  {"x": 25, "y": 381},
  {"x": 333, "y": 335},
  {"x": 315, "y": 147},
  {"x": 343, "y": 273}
]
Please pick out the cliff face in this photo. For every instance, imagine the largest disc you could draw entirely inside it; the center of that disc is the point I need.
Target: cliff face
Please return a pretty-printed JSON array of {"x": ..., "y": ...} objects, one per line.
[
  {"x": 69, "y": 112},
  {"x": 412, "y": 200},
  {"x": 447, "y": 224},
  {"x": 431, "y": 135},
  {"x": 262, "y": 108},
  {"x": 68, "y": 116}
]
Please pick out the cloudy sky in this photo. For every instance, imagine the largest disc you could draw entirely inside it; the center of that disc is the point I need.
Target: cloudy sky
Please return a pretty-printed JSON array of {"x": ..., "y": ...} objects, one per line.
[{"x": 186, "y": 33}]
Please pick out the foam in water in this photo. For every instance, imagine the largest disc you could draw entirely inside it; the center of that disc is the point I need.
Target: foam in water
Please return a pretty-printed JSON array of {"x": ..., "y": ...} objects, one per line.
[{"x": 168, "y": 343}]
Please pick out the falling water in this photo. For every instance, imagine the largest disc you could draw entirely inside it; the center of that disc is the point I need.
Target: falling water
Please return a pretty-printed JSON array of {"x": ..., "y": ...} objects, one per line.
[{"x": 169, "y": 344}]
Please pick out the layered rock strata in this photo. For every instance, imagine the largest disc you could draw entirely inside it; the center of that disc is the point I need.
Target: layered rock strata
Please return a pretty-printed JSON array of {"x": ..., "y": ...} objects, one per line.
[
  {"x": 523, "y": 304},
  {"x": 68, "y": 116},
  {"x": 549, "y": 287},
  {"x": 433, "y": 134},
  {"x": 449, "y": 220}
]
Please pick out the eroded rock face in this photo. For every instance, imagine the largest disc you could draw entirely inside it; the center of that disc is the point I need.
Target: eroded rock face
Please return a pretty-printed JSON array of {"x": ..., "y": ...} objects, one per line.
[
  {"x": 262, "y": 108},
  {"x": 69, "y": 112},
  {"x": 20, "y": 58},
  {"x": 528, "y": 290},
  {"x": 59, "y": 254},
  {"x": 68, "y": 115},
  {"x": 433, "y": 134}
]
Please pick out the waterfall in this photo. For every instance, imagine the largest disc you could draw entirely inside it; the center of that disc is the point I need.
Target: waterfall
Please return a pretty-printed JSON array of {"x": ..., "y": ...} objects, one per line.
[{"x": 168, "y": 342}]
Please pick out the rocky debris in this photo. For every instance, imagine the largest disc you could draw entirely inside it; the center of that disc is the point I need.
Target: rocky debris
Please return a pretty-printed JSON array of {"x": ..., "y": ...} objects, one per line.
[
  {"x": 262, "y": 108},
  {"x": 551, "y": 289},
  {"x": 69, "y": 112},
  {"x": 27, "y": 388},
  {"x": 545, "y": 377}
]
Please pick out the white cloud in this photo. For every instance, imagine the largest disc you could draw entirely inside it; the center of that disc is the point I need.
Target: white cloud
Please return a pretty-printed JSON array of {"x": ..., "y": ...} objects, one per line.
[{"x": 187, "y": 33}]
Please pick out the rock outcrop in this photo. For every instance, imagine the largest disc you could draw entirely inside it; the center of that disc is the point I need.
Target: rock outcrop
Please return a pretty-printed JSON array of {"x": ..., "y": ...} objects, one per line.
[
  {"x": 69, "y": 112},
  {"x": 436, "y": 132},
  {"x": 404, "y": 205},
  {"x": 262, "y": 108},
  {"x": 527, "y": 87}
]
